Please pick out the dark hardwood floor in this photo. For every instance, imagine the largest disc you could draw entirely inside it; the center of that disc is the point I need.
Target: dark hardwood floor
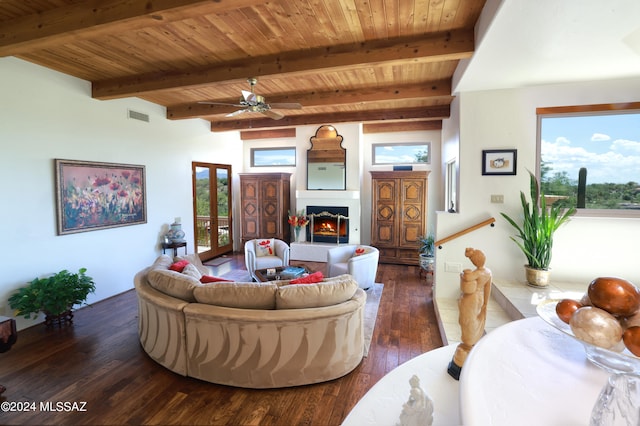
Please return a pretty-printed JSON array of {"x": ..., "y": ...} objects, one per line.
[{"x": 98, "y": 364}]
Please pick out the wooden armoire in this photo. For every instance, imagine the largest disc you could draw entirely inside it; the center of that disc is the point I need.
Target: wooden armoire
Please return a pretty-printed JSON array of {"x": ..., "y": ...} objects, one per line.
[
  {"x": 265, "y": 203},
  {"x": 399, "y": 214}
]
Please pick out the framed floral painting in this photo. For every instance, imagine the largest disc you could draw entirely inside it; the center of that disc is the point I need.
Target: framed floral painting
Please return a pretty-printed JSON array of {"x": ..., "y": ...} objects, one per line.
[{"x": 93, "y": 195}]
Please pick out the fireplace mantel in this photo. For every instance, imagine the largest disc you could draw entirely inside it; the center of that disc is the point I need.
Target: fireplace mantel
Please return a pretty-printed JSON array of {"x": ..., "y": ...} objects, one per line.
[{"x": 328, "y": 194}]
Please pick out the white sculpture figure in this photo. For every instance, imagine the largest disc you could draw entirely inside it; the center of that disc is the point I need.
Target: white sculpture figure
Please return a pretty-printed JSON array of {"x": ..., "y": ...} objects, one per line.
[{"x": 418, "y": 410}]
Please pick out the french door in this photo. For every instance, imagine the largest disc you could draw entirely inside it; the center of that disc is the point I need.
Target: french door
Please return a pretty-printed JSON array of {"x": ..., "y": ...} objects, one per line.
[{"x": 212, "y": 209}]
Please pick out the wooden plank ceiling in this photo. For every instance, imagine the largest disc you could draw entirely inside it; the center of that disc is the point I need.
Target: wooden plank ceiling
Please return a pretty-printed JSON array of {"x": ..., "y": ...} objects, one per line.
[{"x": 374, "y": 61}]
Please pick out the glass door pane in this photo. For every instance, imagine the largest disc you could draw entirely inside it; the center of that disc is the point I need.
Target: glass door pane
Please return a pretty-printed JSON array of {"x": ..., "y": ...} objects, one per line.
[
  {"x": 212, "y": 209},
  {"x": 222, "y": 177},
  {"x": 203, "y": 209}
]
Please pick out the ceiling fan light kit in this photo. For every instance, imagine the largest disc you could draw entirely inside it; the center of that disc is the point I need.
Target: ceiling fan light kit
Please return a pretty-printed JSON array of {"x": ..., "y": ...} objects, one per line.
[{"x": 252, "y": 102}]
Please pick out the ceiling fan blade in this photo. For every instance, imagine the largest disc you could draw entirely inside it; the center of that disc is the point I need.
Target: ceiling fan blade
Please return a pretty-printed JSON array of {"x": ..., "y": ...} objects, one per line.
[
  {"x": 286, "y": 105},
  {"x": 234, "y": 113},
  {"x": 250, "y": 97},
  {"x": 273, "y": 114},
  {"x": 219, "y": 103}
]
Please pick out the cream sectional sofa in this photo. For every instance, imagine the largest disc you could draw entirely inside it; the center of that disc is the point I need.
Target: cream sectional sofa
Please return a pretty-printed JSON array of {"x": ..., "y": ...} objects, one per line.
[{"x": 246, "y": 334}]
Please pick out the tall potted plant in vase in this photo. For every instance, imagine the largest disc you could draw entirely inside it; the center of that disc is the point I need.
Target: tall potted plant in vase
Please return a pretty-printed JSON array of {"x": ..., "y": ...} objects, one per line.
[{"x": 535, "y": 235}]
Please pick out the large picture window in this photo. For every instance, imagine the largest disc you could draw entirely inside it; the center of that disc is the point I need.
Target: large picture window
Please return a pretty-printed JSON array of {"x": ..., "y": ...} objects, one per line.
[{"x": 590, "y": 158}]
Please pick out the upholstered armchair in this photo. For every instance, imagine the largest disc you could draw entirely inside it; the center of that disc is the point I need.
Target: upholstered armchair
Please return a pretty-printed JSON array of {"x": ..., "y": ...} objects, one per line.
[
  {"x": 265, "y": 253},
  {"x": 360, "y": 261}
]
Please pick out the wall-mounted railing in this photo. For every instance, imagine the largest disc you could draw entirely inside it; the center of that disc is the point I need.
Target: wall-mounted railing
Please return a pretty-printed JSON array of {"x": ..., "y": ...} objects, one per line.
[{"x": 465, "y": 231}]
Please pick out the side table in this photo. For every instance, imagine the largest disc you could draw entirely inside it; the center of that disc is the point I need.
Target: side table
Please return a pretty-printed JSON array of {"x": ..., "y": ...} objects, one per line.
[{"x": 175, "y": 247}]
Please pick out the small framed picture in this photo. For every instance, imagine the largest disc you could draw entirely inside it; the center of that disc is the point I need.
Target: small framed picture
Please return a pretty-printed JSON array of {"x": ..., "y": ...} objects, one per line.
[
  {"x": 499, "y": 162},
  {"x": 271, "y": 271}
]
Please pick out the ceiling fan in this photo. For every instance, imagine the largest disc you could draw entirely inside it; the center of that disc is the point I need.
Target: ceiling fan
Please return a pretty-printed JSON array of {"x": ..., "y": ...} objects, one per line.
[{"x": 251, "y": 102}]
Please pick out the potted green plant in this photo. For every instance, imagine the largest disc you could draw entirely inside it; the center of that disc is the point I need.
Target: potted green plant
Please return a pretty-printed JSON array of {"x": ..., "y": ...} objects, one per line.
[
  {"x": 54, "y": 295},
  {"x": 535, "y": 236},
  {"x": 426, "y": 251}
]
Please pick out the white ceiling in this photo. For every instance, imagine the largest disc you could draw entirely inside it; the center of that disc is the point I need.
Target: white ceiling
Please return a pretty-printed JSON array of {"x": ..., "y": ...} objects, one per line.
[{"x": 532, "y": 42}]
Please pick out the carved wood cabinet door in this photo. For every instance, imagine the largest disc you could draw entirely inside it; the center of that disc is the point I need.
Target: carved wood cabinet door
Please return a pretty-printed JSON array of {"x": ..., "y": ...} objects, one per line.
[
  {"x": 413, "y": 212},
  {"x": 399, "y": 204},
  {"x": 385, "y": 205},
  {"x": 250, "y": 208},
  {"x": 265, "y": 201},
  {"x": 271, "y": 218}
]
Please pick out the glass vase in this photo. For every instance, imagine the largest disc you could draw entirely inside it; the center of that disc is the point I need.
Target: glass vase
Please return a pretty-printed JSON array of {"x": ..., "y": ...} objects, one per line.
[{"x": 618, "y": 402}]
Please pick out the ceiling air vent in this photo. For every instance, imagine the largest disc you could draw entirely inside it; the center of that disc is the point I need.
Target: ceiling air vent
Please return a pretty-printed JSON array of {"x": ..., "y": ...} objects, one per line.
[{"x": 138, "y": 115}]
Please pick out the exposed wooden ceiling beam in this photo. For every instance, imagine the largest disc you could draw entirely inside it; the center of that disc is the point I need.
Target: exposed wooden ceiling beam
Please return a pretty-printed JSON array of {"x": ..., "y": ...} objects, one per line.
[
  {"x": 89, "y": 18},
  {"x": 401, "y": 126},
  {"x": 431, "y": 90},
  {"x": 288, "y": 132},
  {"x": 432, "y": 113},
  {"x": 439, "y": 47}
]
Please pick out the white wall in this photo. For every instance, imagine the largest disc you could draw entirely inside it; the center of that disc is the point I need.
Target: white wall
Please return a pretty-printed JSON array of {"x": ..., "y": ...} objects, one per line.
[
  {"x": 351, "y": 140},
  {"x": 48, "y": 115},
  {"x": 349, "y": 132},
  {"x": 359, "y": 158},
  {"x": 585, "y": 248}
]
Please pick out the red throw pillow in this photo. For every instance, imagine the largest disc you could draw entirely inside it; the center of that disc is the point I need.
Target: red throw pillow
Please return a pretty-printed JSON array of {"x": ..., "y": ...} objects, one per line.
[
  {"x": 179, "y": 266},
  {"x": 360, "y": 251},
  {"x": 209, "y": 279},
  {"x": 316, "y": 277},
  {"x": 264, "y": 247}
]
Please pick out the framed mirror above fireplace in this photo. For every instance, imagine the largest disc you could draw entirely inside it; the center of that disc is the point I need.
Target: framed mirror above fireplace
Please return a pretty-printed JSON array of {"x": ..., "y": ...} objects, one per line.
[{"x": 326, "y": 160}]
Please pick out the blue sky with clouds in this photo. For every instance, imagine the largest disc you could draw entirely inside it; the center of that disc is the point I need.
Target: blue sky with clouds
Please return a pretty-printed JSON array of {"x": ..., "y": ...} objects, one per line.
[
  {"x": 398, "y": 153},
  {"x": 607, "y": 145},
  {"x": 275, "y": 157}
]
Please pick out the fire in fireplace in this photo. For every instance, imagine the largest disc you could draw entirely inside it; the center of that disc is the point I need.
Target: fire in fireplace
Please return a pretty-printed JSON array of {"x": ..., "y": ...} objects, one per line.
[{"x": 328, "y": 224}]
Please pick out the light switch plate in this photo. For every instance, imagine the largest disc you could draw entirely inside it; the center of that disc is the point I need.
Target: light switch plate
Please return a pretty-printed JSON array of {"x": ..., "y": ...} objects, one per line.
[{"x": 452, "y": 267}]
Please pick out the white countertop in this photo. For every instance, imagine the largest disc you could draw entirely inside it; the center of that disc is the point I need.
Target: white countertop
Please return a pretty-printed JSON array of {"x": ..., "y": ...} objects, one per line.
[
  {"x": 525, "y": 372},
  {"x": 382, "y": 404},
  {"x": 528, "y": 373}
]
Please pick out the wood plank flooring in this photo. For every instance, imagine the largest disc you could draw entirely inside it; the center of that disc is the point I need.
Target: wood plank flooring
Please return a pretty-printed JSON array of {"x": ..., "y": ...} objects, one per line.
[{"x": 98, "y": 363}]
